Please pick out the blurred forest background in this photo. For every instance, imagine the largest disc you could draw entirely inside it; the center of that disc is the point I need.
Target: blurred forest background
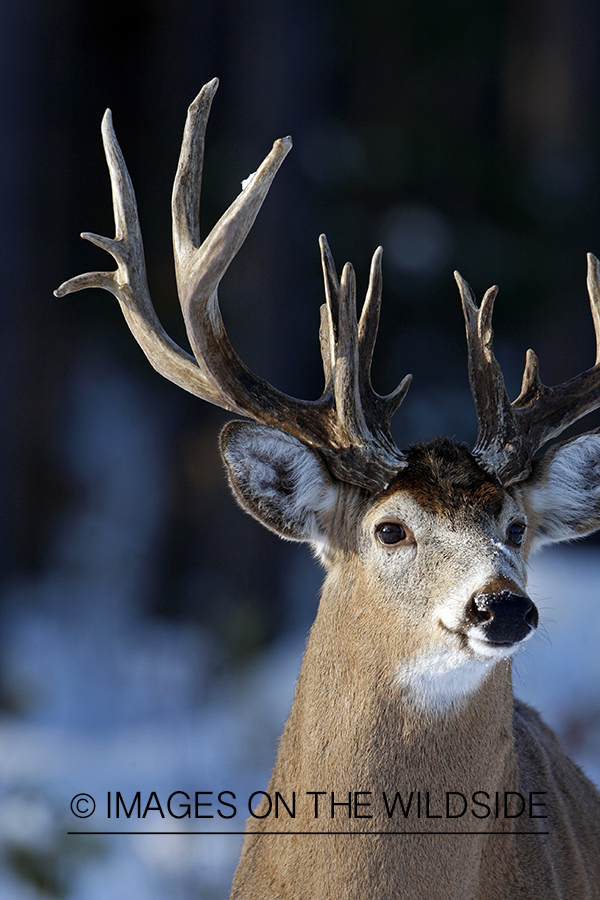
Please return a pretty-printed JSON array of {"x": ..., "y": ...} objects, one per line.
[{"x": 460, "y": 135}]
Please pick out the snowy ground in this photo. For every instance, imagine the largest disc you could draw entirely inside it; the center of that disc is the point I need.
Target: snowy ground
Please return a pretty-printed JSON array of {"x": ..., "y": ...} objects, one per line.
[
  {"x": 559, "y": 671},
  {"x": 224, "y": 743},
  {"x": 112, "y": 701}
]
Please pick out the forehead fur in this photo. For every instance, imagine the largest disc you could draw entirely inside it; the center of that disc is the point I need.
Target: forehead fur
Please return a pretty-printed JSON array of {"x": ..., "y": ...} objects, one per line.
[{"x": 445, "y": 478}]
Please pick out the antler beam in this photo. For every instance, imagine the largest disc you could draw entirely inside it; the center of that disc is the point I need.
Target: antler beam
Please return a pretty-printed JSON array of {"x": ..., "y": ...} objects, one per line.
[
  {"x": 349, "y": 424},
  {"x": 510, "y": 433}
]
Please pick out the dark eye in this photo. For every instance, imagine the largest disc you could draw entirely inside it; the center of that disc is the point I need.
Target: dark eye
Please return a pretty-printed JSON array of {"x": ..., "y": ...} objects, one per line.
[
  {"x": 515, "y": 533},
  {"x": 390, "y": 533}
]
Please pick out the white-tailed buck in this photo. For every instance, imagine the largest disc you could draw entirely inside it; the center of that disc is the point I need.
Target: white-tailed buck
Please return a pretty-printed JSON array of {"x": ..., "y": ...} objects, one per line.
[{"x": 413, "y": 770}]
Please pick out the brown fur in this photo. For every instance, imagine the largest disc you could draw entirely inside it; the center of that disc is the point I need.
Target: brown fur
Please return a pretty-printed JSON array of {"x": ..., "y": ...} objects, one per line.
[{"x": 445, "y": 478}]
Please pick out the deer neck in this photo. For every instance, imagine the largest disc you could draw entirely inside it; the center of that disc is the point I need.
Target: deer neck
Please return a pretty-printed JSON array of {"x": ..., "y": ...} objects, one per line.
[
  {"x": 354, "y": 739},
  {"x": 352, "y": 728}
]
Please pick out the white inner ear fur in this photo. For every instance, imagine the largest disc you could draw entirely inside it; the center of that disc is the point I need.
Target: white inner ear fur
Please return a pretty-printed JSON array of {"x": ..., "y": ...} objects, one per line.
[
  {"x": 282, "y": 482},
  {"x": 562, "y": 497}
]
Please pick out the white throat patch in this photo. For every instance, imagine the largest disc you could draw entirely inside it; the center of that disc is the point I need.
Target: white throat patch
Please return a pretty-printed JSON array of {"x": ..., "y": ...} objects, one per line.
[{"x": 441, "y": 678}]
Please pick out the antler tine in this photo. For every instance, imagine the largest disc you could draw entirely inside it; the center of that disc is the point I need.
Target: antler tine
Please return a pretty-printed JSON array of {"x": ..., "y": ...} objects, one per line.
[
  {"x": 347, "y": 349},
  {"x": 129, "y": 284},
  {"x": 357, "y": 448},
  {"x": 339, "y": 345},
  {"x": 509, "y": 434},
  {"x": 185, "y": 204},
  {"x": 329, "y": 313},
  {"x": 369, "y": 317},
  {"x": 200, "y": 267},
  {"x": 199, "y": 270},
  {"x": 496, "y": 434},
  {"x": 348, "y": 398},
  {"x": 380, "y": 408},
  {"x": 383, "y": 407},
  {"x": 593, "y": 286}
]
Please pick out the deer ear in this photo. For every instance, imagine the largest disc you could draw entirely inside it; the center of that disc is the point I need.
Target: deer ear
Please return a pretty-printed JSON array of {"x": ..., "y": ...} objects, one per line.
[
  {"x": 562, "y": 496},
  {"x": 279, "y": 480}
]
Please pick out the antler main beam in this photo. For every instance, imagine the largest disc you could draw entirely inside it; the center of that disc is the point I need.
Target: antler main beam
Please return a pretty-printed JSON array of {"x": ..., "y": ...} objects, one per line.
[
  {"x": 510, "y": 433},
  {"x": 349, "y": 424}
]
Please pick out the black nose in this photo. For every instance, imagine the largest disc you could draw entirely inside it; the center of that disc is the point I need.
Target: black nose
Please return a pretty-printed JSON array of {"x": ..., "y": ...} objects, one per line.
[{"x": 506, "y": 617}]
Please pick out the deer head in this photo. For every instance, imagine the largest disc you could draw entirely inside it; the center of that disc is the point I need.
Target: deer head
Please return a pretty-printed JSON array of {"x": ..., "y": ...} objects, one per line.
[{"x": 425, "y": 549}]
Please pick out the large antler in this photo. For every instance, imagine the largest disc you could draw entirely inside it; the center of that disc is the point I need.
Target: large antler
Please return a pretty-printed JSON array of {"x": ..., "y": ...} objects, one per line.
[
  {"x": 510, "y": 433},
  {"x": 349, "y": 424}
]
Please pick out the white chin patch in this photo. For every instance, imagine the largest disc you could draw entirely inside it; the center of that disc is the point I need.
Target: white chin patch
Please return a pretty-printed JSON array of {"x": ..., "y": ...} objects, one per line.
[
  {"x": 441, "y": 678},
  {"x": 479, "y": 645}
]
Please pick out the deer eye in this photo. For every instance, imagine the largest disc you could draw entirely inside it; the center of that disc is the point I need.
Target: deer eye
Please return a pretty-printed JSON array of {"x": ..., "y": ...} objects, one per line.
[
  {"x": 516, "y": 533},
  {"x": 390, "y": 533}
]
